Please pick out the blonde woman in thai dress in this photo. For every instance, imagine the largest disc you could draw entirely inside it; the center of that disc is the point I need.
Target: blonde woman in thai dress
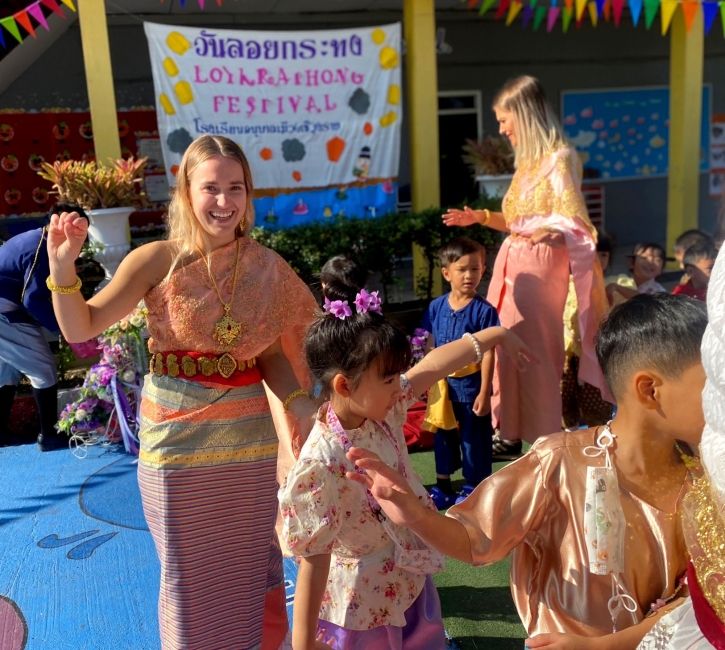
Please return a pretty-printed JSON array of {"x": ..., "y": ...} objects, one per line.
[
  {"x": 550, "y": 237},
  {"x": 224, "y": 314}
]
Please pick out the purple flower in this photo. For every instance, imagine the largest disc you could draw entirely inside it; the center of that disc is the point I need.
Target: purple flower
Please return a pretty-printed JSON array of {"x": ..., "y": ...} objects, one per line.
[
  {"x": 366, "y": 301},
  {"x": 338, "y": 308}
]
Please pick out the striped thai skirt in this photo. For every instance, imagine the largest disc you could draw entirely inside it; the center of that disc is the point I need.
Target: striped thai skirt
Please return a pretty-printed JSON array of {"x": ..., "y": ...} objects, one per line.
[{"x": 208, "y": 485}]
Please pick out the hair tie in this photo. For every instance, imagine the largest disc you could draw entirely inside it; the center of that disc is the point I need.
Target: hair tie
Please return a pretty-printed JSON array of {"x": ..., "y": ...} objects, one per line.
[{"x": 365, "y": 301}]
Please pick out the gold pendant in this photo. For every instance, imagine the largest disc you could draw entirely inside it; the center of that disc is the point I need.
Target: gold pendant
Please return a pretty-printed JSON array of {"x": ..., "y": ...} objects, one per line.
[{"x": 227, "y": 330}]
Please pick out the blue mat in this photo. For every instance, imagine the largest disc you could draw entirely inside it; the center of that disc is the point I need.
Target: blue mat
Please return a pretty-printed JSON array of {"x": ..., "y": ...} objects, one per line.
[{"x": 78, "y": 568}]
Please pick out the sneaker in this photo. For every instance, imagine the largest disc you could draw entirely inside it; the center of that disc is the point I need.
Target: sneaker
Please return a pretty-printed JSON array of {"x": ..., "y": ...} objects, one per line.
[
  {"x": 506, "y": 449},
  {"x": 52, "y": 442},
  {"x": 441, "y": 499},
  {"x": 464, "y": 492}
]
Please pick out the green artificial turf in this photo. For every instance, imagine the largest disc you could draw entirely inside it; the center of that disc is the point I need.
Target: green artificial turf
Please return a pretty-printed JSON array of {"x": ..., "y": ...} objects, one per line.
[{"x": 478, "y": 611}]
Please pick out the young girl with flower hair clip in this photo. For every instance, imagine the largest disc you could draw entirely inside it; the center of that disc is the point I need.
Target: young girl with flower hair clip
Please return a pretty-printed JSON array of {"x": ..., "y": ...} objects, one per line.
[{"x": 363, "y": 581}]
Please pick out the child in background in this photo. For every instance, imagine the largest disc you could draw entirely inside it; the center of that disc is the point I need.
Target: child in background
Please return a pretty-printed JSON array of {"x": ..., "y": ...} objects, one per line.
[
  {"x": 687, "y": 239},
  {"x": 581, "y": 403},
  {"x": 459, "y": 406},
  {"x": 697, "y": 261},
  {"x": 364, "y": 582},
  {"x": 589, "y": 515},
  {"x": 647, "y": 263},
  {"x": 339, "y": 275}
]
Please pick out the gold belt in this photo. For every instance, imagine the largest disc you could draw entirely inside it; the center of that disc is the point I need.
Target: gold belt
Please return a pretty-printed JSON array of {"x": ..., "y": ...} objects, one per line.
[{"x": 192, "y": 364}]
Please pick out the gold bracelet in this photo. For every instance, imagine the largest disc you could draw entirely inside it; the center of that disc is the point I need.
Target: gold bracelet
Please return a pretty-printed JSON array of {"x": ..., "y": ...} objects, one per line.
[
  {"x": 64, "y": 291},
  {"x": 486, "y": 216},
  {"x": 299, "y": 392}
]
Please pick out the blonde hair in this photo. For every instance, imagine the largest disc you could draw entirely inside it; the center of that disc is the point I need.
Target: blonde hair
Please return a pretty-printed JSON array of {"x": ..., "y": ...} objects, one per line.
[
  {"x": 183, "y": 225},
  {"x": 538, "y": 131}
]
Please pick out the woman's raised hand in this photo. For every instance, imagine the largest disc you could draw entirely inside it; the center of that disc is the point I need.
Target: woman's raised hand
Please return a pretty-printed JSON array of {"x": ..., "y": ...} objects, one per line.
[
  {"x": 455, "y": 217},
  {"x": 66, "y": 234}
]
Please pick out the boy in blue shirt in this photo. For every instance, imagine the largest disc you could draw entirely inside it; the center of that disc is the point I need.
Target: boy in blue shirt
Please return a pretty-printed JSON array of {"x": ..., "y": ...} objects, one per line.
[{"x": 463, "y": 400}]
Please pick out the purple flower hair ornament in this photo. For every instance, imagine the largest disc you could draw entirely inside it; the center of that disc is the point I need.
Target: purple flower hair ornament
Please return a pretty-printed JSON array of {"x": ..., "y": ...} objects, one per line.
[
  {"x": 338, "y": 308},
  {"x": 366, "y": 301}
]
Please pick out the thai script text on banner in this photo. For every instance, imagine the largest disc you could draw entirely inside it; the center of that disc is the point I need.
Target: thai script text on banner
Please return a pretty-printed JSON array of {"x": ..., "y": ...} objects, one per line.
[{"x": 317, "y": 113}]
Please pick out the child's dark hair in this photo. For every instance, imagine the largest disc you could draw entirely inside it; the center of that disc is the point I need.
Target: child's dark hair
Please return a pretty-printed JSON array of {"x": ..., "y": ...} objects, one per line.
[
  {"x": 350, "y": 346},
  {"x": 341, "y": 278},
  {"x": 69, "y": 207},
  {"x": 659, "y": 331},
  {"x": 702, "y": 250},
  {"x": 455, "y": 249},
  {"x": 690, "y": 237},
  {"x": 605, "y": 243}
]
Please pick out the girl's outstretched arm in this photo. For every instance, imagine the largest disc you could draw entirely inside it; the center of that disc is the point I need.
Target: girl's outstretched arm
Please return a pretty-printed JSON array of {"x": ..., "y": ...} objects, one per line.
[
  {"x": 403, "y": 507},
  {"x": 310, "y": 587},
  {"x": 448, "y": 358}
]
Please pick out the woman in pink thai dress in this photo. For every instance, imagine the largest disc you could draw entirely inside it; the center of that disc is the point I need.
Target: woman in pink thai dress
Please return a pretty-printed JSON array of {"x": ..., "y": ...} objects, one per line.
[{"x": 550, "y": 237}]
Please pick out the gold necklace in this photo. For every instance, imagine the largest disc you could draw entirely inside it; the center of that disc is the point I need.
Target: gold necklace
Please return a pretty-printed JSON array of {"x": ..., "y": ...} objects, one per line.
[{"x": 226, "y": 330}]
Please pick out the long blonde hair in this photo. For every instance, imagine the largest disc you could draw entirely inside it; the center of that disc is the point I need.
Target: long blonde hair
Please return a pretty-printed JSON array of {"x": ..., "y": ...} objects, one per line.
[
  {"x": 183, "y": 225},
  {"x": 538, "y": 131}
]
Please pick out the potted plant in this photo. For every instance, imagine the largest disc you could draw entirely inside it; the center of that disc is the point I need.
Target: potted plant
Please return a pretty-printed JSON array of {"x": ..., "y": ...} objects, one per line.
[
  {"x": 108, "y": 193},
  {"x": 492, "y": 161}
]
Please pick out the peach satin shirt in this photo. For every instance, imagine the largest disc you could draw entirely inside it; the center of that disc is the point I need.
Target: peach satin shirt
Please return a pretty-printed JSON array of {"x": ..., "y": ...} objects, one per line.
[{"x": 534, "y": 508}]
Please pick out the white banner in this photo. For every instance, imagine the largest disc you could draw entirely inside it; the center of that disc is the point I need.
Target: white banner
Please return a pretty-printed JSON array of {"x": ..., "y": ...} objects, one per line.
[{"x": 317, "y": 113}]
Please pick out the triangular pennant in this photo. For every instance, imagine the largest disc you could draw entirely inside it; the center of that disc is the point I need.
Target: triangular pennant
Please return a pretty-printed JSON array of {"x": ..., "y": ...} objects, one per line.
[
  {"x": 553, "y": 15},
  {"x": 54, "y": 7},
  {"x": 526, "y": 16},
  {"x": 689, "y": 8},
  {"x": 721, "y": 4},
  {"x": 566, "y": 16},
  {"x": 668, "y": 10},
  {"x": 182, "y": 3},
  {"x": 709, "y": 11},
  {"x": 218, "y": 3},
  {"x": 9, "y": 24},
  {"x": 470, "y": 3},
  {"x": 69, "y": 4},
  {"x": 2, "y": 39},
  {"x": 539, "y": 14},
  {"x": 36, "y": 12},
  {"x": 24, "y": 20},
  {"x": 514, "y": 10},
  {"x": 593, "y": 15},
  {"x": 485, "y": 6},
  {"x": 580, "y": 6},
  {"x": 617, "y": 6},
  {"x": 607, "y": 11},
  {"x": 503, "y": 6},
  {"x": 569, "y": 4},
  {"x": 635, "y": 8},
  {"x": 650, "y": 12},
  {"x": 533, "y": 4},
  {"x": 201, "y": 4},
  {"x": 600, "y": 7}
]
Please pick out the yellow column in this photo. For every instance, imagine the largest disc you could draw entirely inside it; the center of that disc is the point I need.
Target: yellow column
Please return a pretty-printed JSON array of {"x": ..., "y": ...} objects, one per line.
[
  {"x": 683, "y": 181},
  {"x": 99, "y": 78},
  {"x": 422, "y": 101}
]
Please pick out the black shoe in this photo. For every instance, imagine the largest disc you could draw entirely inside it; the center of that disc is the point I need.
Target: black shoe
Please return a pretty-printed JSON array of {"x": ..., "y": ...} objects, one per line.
[
  {"x": 52, "y": 442},
  {"x": 506, "y": 449}
]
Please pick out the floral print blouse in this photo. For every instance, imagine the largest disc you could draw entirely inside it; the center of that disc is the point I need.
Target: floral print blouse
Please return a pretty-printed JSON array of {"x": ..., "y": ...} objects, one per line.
[{"x": 324, "y": 512}]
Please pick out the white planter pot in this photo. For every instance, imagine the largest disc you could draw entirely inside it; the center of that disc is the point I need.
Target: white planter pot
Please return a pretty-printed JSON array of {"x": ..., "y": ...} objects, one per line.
[
  {"x": 494, "y": 186},
  {"x": 110, "y": 228}
]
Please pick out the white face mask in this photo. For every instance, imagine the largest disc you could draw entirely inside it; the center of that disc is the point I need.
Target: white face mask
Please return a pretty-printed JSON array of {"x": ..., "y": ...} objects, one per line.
[{"x": 605, "y": 525}]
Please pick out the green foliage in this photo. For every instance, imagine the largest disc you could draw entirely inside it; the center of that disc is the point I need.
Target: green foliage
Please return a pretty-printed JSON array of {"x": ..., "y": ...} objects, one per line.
[{"x": 374, "y": 243}]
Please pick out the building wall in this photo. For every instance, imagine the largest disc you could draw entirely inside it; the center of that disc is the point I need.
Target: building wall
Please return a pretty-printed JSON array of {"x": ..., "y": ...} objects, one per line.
[{"x": 484, "y": 53}]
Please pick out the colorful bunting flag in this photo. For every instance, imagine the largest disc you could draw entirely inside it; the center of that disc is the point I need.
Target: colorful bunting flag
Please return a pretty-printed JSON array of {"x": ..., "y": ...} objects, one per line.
[
  {"x": 722, "y": 14},
  {"x": 54, "y": 7},
  {"x": 526, "y": 15},
  {"x": 2, "y": 40},
  {"x": 553, "y": 15},
  {"x": 9, "y": 24},
  {"x": 709, "y": 11},
  {"x": 689, "y": 8},
  {"x": 514, "y": 10},
  {"x": 539, "y": 14},
  {"x": 24, "y": 20},
  {"x": 69, "y": 4},
  {"x": 650, "y": 12},
  {"x": 503, "y": 6},
  {"x": 668, "y": 10},
  {"x": 580, "y": 6},
  {"x": 635, "y": 8},
  {"x": 617, "y": 7},
  {"x": 566, "y": 16},
  {"x": 485, "y": 6},
  {"x": 37, "y": 13},
  {"x": 593, "y": 14}
]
